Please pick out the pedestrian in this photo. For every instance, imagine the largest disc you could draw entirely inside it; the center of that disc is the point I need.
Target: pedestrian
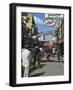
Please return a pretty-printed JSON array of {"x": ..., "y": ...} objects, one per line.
[
  {"x": 58, "y": 53},
  {"x": 53, "y": 51},
  {"x": 25, "y": 57},
  {"x": 38, "y": 59},
  {"x": 33, "y": 55},
  {"x": 47, "y": 53}
]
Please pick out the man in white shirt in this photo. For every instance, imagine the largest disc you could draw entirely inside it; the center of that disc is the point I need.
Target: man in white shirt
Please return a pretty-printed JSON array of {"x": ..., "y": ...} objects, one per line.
[
  {"x": 53, "y": 51},
  {"x": 25, "y": 56}
]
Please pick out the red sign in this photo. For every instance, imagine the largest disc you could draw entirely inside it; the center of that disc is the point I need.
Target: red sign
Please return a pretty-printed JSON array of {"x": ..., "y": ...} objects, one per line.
[
  {"x": 49, "y": 22},
  {"x": 47, "y": 43}
]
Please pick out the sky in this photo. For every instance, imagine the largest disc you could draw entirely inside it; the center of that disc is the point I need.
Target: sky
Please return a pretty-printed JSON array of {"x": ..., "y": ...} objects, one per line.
[{"x": 39, "y": 17}]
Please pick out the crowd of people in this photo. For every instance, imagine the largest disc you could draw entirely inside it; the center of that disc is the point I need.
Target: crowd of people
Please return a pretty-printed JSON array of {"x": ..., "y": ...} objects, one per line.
[
  {"x": 31, "y": 56},
  {"x": 55, "y": 51}
]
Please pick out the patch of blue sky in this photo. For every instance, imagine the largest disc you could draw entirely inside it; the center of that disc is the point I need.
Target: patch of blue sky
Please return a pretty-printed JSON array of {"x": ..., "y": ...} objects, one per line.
[
  {"x": 44, "y": 28},
  {"x": 39, "y": 17},
  {"x": 48, "y": 37}
]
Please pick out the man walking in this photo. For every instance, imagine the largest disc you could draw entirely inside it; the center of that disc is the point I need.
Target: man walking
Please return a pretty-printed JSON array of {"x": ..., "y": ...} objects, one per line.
[{"x": 25, "y": 57}]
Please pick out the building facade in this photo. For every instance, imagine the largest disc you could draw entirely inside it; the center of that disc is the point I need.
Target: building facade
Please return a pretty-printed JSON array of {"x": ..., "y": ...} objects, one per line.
[{"x": 29, "y": 29}]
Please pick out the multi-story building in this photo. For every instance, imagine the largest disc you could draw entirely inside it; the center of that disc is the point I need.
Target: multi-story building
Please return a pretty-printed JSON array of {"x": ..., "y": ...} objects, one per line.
[{"x": 29, "y": 29}]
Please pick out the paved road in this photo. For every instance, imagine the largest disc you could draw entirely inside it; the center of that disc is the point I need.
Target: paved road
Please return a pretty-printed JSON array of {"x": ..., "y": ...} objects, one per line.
[{"x": 48, "y": 69}]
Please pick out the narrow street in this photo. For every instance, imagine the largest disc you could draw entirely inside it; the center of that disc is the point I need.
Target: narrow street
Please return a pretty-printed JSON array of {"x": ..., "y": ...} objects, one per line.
[
  {"x": 43, "y": 36},
  {"x": 51, "y": 68}
]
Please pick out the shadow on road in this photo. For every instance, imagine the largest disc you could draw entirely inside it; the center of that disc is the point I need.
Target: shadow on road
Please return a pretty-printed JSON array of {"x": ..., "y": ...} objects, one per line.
[
  {"x": 33, "y": 69},
  {"x": 51, "y": 61},
  {"x": 42, "y": 65},
  {"x": 38, "y": 74}
]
